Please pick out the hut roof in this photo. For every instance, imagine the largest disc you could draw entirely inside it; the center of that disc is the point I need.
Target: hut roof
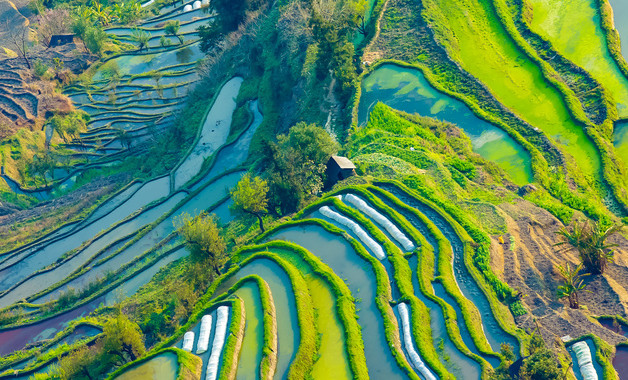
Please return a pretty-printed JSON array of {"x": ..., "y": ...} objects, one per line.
[{"x": 343, "y": 162}]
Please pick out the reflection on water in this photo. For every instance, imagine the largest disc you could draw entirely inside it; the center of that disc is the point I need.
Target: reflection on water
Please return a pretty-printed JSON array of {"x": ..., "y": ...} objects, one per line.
[
  {"x": 407, "y": 90},
  {"x": 620, "y": 15}
]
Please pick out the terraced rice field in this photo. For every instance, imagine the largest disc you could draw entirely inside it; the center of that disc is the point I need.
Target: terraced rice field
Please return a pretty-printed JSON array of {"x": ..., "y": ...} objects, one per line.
[
  {"x": 407, "y": 90},
  {"x": 473, "y": 33},
  {"x": 581, "y": 39}
]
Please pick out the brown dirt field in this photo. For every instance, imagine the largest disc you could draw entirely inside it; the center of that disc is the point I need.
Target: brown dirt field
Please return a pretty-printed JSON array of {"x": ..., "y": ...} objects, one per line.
[{"x": 526, "y": 262}]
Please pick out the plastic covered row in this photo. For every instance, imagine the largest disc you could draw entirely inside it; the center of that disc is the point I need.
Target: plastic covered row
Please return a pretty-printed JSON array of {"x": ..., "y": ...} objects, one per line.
[
  {"x": 359, "y": 231},
  {"x": 188, "y": 341},
  {"x": 408, "y": 344},
  {"x": 585, "y": 361},
  {"x": 203, "y": 335},
  {"x": 222, "y": 315},
  {"x": 383, "y": 221}
]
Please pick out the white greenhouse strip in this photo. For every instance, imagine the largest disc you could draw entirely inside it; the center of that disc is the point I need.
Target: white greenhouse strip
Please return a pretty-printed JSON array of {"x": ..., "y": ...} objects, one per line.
[
  {"x": 382, "y": 221},
  {"x": 188, "y": 341},
  {"x": 415, "y": 359},
  {"x": 203, "y": 335},
  {"x": 222, "y": 315},
  {"x": 585, "y": 361},
  {"x": 359, "y": 231}
]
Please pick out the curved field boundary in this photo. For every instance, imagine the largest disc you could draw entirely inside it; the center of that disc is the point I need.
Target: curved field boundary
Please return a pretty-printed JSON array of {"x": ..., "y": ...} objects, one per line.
[
  {"x": 136, "y": 237},
  {"x": 73, "y": 223},
  {"x": 189, "y": 365},
  {"x": 18, "y": 357},
  {"x": 47, "y": 358},
  {"x": 612, "y": 35},
  {"x": 304, "y": 356},
  {"x": 403, "y": 276},
  {"x": 423, "y": 249},
  {"x": 454, "y": 77},
  {"x": 153, "y": 28},
  {"x": 383, "y": 285},
  {"x": 579, "y": 80},
  {"x": 269, "y": 349},
  {"x": 345, "y": 302},
  {"x": 476, "y": 260},
  {"x": 611, "y": 172},
  {"x": 87, "y": 242}
]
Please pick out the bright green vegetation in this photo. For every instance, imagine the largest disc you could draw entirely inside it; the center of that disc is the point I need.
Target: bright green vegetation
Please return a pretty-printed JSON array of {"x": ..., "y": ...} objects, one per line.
[
  {"x": 471, "y": 32},
  {"x": 460, "y": 125},
  {"x": 580, "y": 38},
  {"x": 407, "y": 90}
]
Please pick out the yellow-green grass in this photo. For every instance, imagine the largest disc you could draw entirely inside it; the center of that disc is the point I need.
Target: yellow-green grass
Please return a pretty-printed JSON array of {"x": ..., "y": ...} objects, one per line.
[
  {"x": 574, "y": 29},
  {"x": 333, "y": 361},
  {"x": 473, "y": 36}
]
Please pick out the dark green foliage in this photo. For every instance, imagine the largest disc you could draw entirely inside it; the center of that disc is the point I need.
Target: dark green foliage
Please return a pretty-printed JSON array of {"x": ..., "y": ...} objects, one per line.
[
  {"x": 295, "y": 166},
  {"x": 540, "y": 365}
]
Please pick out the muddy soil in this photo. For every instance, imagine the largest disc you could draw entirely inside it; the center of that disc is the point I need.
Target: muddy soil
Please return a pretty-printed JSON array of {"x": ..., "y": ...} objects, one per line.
[{"x": 526, "y": 261}]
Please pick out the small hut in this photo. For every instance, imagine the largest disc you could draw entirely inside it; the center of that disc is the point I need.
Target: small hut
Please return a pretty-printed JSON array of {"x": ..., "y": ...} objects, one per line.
[
  {"x": 339, "y": 168},
  {"x": 61, "y": 39}
]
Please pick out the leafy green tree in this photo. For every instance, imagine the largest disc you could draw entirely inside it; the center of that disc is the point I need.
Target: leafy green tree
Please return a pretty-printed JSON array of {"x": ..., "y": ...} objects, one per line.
[
  {"x": 204, "y": 241},
  {"x": 572, "y": 284},
  {"x": 295, "y": 165},
  {"x": 172, "y": 28},
  {"x": 540, "y": 366},
  {"x": 209, "y": 35},
  {"x": 590, "y": 243},
  {"x": 123, "y": 341},
  {"x": 80, "y": 364},
  {"x": 141, "y": 38},
  {"x": 250, "y": 197},
  {"x": 94, "y": 39}
]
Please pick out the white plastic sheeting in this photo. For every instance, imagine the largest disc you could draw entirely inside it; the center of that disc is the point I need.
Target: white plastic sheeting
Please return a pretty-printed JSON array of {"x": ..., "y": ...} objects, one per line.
[
  {"x": 585, "y": 361},
  {"x": 222, "y": 315},
  {"x": 188, "y": 341},
  {"x": 359, "y": 231},
  {"x": 203, "y": 334},
  {"x": 196, "y": 4},
  {"x": 415, "y": 359},
  {"x": 381, "y": 220},
  {"x": 205, "y": 3},
  {"x": 187, "y": 8}
]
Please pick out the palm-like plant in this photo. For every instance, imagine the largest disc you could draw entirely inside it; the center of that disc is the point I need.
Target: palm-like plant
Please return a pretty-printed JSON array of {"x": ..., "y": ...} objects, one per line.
[
  {"x": 101, "y": 13},
  {"x": 572, "y": 284},
  {"x": 172, "y": 28},
  {"x": 590, "y": 242},
  {"x": 141, "y": 38}
]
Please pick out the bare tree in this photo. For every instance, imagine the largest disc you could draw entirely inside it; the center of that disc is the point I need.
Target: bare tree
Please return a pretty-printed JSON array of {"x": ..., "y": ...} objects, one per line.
[
  {"x": 51, "y": 22},
  {"x": 18, "y": 40}
]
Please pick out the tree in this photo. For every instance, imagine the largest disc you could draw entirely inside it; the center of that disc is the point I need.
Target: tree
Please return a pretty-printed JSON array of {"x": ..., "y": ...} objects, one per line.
[
  {"x": 18, "y": 37},
  {"x": 125, "y": 138},
  {"x": 172, "y": 28},
  {"x": 295, "y": 165},
  {"x": 250, "y": 197},
  {"x": 123, "y": 341},
  {"x": 141, "y": 38},
  {"x": 79, "y": 364},
  {"x": 94, "y": 39},
  {"x": 590, "y": 242},
  {"x": 209, "y": 35},
  {"x": 51, "y": 22},
  {"x": 572, "y": 284},
  {"x": 202, "y": 236}
]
